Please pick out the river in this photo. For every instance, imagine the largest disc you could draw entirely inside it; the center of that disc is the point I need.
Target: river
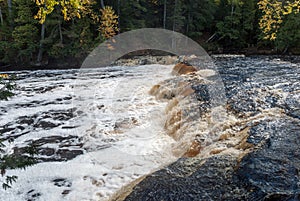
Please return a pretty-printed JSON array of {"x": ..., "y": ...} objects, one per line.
[{"x": 97, "y": 130}]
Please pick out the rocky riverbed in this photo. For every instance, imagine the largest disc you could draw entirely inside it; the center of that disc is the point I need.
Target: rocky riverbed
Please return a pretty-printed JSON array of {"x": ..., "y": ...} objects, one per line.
[
  {"x": 252, "y": 153},
  {"x": 192, "y": 133}
]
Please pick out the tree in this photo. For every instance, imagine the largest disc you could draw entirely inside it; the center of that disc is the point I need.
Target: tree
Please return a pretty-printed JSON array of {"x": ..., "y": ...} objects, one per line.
[
  {"x": 288, "y": 35},
  {"x": 199, "y": 16},
  {"x": 1, "y": 17},
  {"x": 132, "y": 15},
  {"x": 237, "y": 28},
  {"x": 178, "y": 17},
  {"x": 274, "y": 12},
  {"x": 69, "y": 8},
  {"x": 165, "y": 14},
  {"x": 24, "y": 33},
  {"x": 11, "y": 161},
  {"x": 108, "y": 22}
]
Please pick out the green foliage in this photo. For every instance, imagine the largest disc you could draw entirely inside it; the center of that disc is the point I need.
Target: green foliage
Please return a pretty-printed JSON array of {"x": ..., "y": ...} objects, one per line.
[
  {"x": 288, "y": 35},
  {"x": 199, "y": 17},
  {"x": 238, "y": 28},
  {"x": 12, "y": 161},
  {"x": 71, "y": 32},
  {"x": 78, "y": 40},
  {"x": 132, "y": 14},
  {"x": 19, "y": 42},
  {"x": 8, "y": 181},
  {"x": 177, "y": 16},
  {"x": 15, "y": 162},
  {"x": 25, "y": 41},
  {"x": 6, "y": 86}
]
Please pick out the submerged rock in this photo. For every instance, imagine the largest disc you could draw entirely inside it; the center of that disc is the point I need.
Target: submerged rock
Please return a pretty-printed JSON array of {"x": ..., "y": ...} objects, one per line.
[{"x": 182, "y": 69}]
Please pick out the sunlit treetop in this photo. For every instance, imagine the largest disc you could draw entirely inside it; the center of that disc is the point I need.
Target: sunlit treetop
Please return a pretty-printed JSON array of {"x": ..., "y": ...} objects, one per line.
[
  {"x": 108, "y": 23},
  {"x": 274, "y": 12},
  {"x": 69, "y": 8}
]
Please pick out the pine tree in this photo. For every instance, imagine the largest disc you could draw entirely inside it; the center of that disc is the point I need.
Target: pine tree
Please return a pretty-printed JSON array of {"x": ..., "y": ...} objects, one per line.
[
  {"x": 132, "y": 15},
  {"x": 25, "y": 33},
  {"x": 288, "y": 35},
  {"x": 11, "y": 161},
  {"x": 199, "y": 16},
  {"x": 237, "y": 28}
]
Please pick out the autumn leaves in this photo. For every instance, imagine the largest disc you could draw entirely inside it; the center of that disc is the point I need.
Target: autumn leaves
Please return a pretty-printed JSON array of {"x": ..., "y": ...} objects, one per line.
[
  {"x": 274, "y": 12},
  {"x": 78, "y": 8}
]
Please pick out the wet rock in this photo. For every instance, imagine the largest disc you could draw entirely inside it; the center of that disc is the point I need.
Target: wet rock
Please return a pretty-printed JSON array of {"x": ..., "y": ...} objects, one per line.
[
  {"x": 202, "y": 93},
  {"x": 256, "y": 158},
  {"x": 46, "y": 151},
  {"x": 66, "y": 192},
  {"x": 145, "y": 60},
  {"x": 154, "y": 90},
  {"x": 26, "y": 120},
  {"x": 125, "y": 123},
  {"x": 182, "y": 69},
  {"x": 43, "y": 120},
  {"x": 293, "y": 105},
  {"x": 180, "y": 181},
  {"x": 273, "y": 170},
  {"x": 270, "y": 172},
  {"x": 32, "y": 195},
  {"x": 45, "y": 125},
  {"x": 66, "y": 154},
  {"x": 6, "y": 129},
  {"x": 194, "y": 149},
  {"x": 66, "y": 148},
  {"x": 62, "y": 182}
]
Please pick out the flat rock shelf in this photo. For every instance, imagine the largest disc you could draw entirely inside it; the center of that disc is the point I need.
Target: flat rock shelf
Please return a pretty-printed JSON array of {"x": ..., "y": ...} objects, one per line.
[{"x": 256, "y": 154}]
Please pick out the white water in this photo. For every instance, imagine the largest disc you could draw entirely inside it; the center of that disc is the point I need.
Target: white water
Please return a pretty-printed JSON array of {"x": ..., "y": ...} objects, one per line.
[{"x": 121, "y": 128}]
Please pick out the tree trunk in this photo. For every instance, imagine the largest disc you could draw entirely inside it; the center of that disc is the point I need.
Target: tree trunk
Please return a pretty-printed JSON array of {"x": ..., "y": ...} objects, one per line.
[
  {"x": 165, "y": 13},
  {"x": 188, "y": 22},
  {"x": 174, "y": 24},
  {"x": 174, "y": 15},
  {"x": 1, "y": 17},
  {"x": 60, "y": 32},
  {"x": 232, "y": 10},
  {"x": 40, "y": 55},
  {"x": 118, "y": 16},
  {"x": 102, "y": 4},
  {"x": 9, "y": 5}
]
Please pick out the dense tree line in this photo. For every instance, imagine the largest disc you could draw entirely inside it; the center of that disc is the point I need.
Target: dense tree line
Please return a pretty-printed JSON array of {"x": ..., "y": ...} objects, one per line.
[{"x": 36, "y": 32}]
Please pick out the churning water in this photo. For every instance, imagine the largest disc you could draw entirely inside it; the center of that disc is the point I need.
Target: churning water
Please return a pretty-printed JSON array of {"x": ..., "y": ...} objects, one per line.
[{"x": 97, "y": 130}]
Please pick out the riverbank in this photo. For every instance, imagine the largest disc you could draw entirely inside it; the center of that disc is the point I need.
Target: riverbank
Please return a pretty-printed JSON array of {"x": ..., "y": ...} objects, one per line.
[{"x": 135, "y": 60}]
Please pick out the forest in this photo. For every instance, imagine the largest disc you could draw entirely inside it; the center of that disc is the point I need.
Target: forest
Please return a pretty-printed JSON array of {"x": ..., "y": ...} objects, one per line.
[{"x": 54, "y": 32}]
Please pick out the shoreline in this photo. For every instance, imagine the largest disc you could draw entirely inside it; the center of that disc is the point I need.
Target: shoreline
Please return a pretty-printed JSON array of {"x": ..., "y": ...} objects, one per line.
[{"x": 141, "y": 60}]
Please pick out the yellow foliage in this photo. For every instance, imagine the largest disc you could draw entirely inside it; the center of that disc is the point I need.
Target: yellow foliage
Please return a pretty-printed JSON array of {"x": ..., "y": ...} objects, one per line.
[
  {"x": 108, "y": 23},
  {"x": 4, "y": 76},
  {"x": 69, "y": 8},
  {"x": 273, "y": 14}
]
